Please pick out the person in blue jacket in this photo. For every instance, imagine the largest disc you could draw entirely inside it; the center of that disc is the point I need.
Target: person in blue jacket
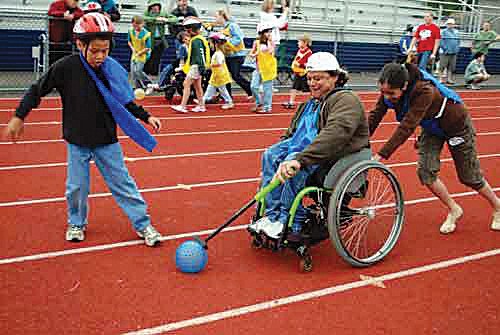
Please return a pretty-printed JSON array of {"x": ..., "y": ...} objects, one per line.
[{"x": 450, "y": 46}]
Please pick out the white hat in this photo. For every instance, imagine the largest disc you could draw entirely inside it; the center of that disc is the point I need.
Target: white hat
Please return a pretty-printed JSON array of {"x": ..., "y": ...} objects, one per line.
[
  {"x": 264, "y": 26},
  {"x": 322, "y": 61},
  {"x": 450, "y": 21},
  {"x": 191, "y": 21}
]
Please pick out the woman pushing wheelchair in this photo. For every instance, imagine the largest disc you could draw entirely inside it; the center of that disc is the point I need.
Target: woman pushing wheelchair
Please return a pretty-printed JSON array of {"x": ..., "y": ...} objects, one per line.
[{"x": 328, "y": 127}]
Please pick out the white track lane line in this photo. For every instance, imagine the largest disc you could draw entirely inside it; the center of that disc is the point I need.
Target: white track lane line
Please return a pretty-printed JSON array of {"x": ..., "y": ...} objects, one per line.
[
  {"x": 188, "y": 155},
  {"x": 270, "y": 304},
  {"x": 48, "y": 109},
  {"x": 75, "y": 251},
  {"x": 182, "y": 187},
  {"x": 195, "y": 133},
  {"x": 50, "y": 123}
]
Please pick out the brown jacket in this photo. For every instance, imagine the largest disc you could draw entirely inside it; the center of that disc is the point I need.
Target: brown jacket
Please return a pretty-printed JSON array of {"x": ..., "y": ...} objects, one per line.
[
  {"x": 425, "y": 103},
  {"x": 342, "y": 129}
]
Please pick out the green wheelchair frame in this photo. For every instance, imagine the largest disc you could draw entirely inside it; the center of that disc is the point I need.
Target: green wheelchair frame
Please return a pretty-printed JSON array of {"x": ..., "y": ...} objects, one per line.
[{"x": 346, "y": 178}]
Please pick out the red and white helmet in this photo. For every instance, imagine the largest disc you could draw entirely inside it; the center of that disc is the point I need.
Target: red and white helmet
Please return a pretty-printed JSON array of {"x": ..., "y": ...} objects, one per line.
[
  {"x": 93, "y": 25},
  {"x": 91, "y": 7},
  {"x": 217, "y": 37}
]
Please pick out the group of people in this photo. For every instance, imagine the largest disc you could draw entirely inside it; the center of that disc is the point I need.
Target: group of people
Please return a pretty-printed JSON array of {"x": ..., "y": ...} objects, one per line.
[
  {"x": 329, "y": 126},
  {"x": 434, "y": 46}
]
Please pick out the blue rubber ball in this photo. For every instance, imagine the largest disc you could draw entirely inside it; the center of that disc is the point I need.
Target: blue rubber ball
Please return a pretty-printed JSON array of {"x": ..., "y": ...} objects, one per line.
[{"x": 191, "y": 257}]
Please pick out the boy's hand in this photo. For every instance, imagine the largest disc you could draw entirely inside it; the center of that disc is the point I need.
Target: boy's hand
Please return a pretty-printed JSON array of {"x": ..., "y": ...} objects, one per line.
[
  {"x": 376, "y": 157},
  {"x": 155, "y": 123},
  {"x": 15, "y": 129}
]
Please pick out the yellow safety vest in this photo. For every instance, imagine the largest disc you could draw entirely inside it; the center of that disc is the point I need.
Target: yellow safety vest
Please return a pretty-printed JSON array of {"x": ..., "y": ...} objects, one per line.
[
  {"x": 187, "y": 65},
  {"x": 139, "y": 44},
  {"x": 267, "y": 64},
  {"x": 228, "y": 47},
  {"x": 220, "y": 75}
]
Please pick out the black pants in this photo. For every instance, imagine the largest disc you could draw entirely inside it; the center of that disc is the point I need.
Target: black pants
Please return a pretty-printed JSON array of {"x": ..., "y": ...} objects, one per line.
[
  {"x": 234, "y": 67},
  {"x": 152, "y": 66}
]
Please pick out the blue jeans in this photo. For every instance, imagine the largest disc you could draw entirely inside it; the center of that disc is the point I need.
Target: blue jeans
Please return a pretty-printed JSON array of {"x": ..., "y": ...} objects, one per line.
[
  {"x": 109, "y": 161},
  {"x": 165, "y": 75},
  {"x": 139, "y": 77},
  {"x": 279, "y": 201},
  {"x": 423, "y": 59},
  {"x": 268, "y": 91}
]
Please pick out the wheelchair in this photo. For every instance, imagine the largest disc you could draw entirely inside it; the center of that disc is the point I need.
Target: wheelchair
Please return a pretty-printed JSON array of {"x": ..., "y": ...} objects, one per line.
[
  {"x": 358, "y": 206},
  {"x": 175, "y": 84}
]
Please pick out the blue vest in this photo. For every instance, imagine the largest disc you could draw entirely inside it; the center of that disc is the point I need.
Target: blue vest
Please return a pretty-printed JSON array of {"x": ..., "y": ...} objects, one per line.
[{"x": 429, "y": 125}]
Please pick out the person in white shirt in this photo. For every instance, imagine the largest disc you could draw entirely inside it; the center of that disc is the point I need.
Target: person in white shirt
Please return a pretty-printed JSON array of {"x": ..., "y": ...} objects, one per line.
[{"x": 277, "y": 21}]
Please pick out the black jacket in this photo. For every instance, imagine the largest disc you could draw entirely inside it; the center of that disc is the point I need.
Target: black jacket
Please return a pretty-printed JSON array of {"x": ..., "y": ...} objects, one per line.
[{"x": 87, "y": 120}]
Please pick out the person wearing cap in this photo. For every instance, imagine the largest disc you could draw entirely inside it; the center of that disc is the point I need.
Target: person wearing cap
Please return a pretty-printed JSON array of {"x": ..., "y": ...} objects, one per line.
[
  {"x": 299, "y": 69},
  {"x": 155, "y": 18},
  {"x": 327, "y": 127},
  {"x": 427, "y": 38},
  {"x": 198, "y": 61},
  {"x": 450, "y": 46},
  {"x": 96, "y": 96},
  {"x": 440, "y": 112},
  {"x": 220, "y": 76},
  {"x": 266, "y": 69}
]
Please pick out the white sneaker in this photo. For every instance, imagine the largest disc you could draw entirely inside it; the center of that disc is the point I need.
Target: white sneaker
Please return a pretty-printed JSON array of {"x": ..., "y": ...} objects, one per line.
[
  {"x": 257, "y": 225},
  {"x": 199, "y": 109},
  {"x": 149, "y": 89},
  {"x": 227, "y": 106},
  {"x": 75, "y": 233},
  {"x": 179, "y": 109},
  {"x": 450, "y": 224},
  {"x": 475, "y": 86},
  {"x": 150, "y": 235},
  {"x": 272, "y": 229},
  {"x": 495, "y": 225}
]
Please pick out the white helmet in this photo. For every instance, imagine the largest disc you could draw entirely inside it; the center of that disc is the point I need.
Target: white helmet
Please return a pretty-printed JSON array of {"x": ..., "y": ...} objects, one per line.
[
  {"x": 264, "y": 26},
  {"x": 322, "y": 61},
  {"x": 191, "y": 21}
]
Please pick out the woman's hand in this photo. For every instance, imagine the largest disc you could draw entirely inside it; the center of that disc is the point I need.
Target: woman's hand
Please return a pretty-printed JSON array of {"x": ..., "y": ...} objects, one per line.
[
  {"x": 287, "y": 170},
  {"x": 155, "y": 123},
  {"x": 15, "y": 129}
]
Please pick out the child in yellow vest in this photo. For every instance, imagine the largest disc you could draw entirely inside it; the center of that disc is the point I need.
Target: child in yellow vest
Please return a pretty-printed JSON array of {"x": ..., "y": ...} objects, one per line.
[
  {"x": 220, "y": 74},
  {"x": 139, "y": 41},
  {"x": 198, "y": 60},
  {"x": 266, "y": 71}
]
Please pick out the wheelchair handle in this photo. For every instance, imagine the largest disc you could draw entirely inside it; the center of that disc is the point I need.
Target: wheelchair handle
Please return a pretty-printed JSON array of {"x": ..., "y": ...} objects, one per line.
[{"x": 265, "y": 190}]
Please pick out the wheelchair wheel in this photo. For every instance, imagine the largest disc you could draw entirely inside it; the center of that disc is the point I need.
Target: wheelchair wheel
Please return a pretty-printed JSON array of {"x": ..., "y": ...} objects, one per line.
[{"x": 366, "y": 213}]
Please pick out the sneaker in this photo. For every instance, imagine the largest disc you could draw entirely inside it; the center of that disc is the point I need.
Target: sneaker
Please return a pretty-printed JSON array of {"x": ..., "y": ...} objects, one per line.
[
  {"x": 475, "y": 87},
  {"x": 75, "y": 233},
  {"x": 450, "y": 82},
  {"x": 150, "y": 235},
  {"x": 288, "y": 105},
  {"x": 495, "y": 225},
  {"x": 263, "y": 111},
  {"x": 250, "y": 98},
  {"x": 272, "y": 229},
  {"x": 450, "y": 224},
  {"x": 149, "y": 89},
  {"x": 255, "y": 108},
  {"x": 256, "y": 226},
  {"x": 199, "y": 109},
  {"x": 179, "y": 109},
  {"x": 227, "y": 106}
]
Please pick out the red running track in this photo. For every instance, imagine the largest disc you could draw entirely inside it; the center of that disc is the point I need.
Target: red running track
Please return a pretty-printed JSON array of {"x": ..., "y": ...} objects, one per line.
[{"x": 133, "y": 287}]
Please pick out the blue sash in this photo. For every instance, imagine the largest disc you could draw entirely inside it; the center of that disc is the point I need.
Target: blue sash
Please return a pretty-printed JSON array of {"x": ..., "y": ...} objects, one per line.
[
  {"x": 120, "y": 95},
  {"x": 430, "y": 125}
]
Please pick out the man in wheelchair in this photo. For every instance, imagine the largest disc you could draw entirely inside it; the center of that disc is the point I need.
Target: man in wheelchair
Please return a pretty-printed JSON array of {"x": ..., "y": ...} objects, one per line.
[{"x": 329, "y": 126}]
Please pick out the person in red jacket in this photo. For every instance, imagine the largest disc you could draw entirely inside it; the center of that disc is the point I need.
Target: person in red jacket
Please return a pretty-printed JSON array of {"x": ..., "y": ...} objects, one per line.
[
  {"x": 62, "y": 17},
  {"x": 299, "y": 70}
]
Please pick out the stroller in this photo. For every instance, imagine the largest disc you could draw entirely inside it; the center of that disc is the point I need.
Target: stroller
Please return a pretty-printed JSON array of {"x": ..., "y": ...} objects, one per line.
[{"x": 174, "y": 83}]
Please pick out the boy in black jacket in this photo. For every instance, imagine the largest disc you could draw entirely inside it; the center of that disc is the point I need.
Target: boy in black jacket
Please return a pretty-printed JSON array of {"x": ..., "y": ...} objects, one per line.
[{"x": 96, "y": 96}]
